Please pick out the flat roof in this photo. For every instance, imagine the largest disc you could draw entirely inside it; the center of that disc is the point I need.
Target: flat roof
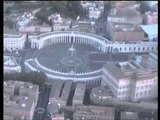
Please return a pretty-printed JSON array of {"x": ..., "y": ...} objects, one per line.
[
  {"x": 95, "y": 110},
  {"x": 151, "y": 30},
  {"x": 129, "y": 116},
  {"x": 11, "y": 31}
]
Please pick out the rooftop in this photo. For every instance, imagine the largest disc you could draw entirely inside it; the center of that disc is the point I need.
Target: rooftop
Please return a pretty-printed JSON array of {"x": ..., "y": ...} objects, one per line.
[
  {"x": 11, "y": 31},
  {"x": 95, "y": 110},
  {"x": 17, "y": 98},
  {"x": 79, "y": 92},
  {"x": 129, "y": 116},
  {"x": 124, "y": 27},
  {"x": 129, "y": 69},
  {"x": 102, "y": 92},
  {"x": 151, "y": 30}
]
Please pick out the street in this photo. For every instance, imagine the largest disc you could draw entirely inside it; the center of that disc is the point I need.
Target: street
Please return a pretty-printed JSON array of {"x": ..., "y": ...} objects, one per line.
[{"x": 41, "y": 108}]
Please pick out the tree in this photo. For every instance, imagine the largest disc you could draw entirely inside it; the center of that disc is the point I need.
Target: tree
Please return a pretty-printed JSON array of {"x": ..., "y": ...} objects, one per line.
[
  {"x": 143, "y": 7},
  {"x": 38, "y": 78}
]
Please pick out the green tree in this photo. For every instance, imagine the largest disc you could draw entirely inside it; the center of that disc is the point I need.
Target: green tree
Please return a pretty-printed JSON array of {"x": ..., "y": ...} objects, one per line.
[{"x": 38, "y": 78}]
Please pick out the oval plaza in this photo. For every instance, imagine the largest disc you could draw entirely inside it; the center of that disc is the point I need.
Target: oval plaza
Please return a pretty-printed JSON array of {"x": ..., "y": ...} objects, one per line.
[{"x": 74, "y": 40}]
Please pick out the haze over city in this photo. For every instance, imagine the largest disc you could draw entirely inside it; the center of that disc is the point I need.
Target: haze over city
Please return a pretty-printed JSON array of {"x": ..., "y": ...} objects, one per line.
[{"x": 80, "y": 60}]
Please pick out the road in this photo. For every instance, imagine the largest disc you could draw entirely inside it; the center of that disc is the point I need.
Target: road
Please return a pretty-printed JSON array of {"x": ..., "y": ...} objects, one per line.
[{"x": 41, "y": 108}]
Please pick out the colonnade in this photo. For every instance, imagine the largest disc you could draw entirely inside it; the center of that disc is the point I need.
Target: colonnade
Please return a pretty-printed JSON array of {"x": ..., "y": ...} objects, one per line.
[{"x": 93, "y": 40}]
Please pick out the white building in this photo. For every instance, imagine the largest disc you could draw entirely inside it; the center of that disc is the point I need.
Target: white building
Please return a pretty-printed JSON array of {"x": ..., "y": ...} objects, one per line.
[
  {"x": 130, "y": 81},
  {"x": 10, "y": 65},
  {"x": 13, "y": 40},
  {"x": 59, "y": 23},
  {"x": 94, "y": 13}
]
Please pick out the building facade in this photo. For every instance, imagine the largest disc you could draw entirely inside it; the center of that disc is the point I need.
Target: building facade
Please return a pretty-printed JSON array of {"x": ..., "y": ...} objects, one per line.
[
  {"x": 130, "y": 81},
  {"x": 83, "y": 112},
  {"x": 13, "y": 40}
]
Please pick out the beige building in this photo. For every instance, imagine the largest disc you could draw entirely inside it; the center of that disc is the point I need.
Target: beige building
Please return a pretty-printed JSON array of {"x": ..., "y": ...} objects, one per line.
[
  {"x": 131, "y": 80},
  {"x": 85, "y": 112},
  {"x": 20, "y": 99},
  {"x": 122, "y": 32}
]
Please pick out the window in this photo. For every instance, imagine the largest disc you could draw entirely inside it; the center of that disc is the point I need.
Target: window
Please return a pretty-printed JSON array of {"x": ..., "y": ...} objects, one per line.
[
  {"x": 137, "y": 88},
  {"x": 134, "y": 48},
  {"x": 120, "y": 49},
  {"x": 142, "y": 88},
  {"x": 130, "y": 49},
  {"x": 145, "y": 93},
  {"x": 139, "y": 49},
  {"x": 143, "y": 48}
]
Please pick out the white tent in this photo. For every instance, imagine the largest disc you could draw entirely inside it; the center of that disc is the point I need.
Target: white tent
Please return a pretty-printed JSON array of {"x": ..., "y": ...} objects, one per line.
[{"x": 150, "y": 30}]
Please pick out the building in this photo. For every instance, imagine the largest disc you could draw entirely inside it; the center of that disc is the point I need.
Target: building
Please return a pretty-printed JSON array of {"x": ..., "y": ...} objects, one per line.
[
  {"x": 148, "y": 115},
  {"x": 122, "y": 32},
  {"x": 57, "y": 117},
  {"x": 122, "y": 4},
  {"x": 20, "y": 99},
  {"x": 60, "y": 92},
  {"x": 83, "y": 112},
  {"x": 125, "y": 15},
  {"x": 10, "y": 65},
  {"x": 102, "y": 96},
  {"x": 83, "y": 26},
  {"x": 151, "y": 31},
  {"x": 37, "y": 28},
  {"x": 131, "y": 80},
  {"x": 59, "y": 23},
  {"x": 13, "y": 40},
  {"x": 24, "y": 20},
  {"x": 94, "y": 13},
  {"x": 129, "y": 116},
  {"x": 79, "y": 94},
  {"x": 150, "y": 18}
]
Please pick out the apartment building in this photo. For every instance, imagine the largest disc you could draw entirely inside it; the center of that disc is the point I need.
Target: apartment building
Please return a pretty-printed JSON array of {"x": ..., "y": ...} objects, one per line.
[
  {"x": 20, "y": 99},
  {"x": 130, "y": 80}
]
